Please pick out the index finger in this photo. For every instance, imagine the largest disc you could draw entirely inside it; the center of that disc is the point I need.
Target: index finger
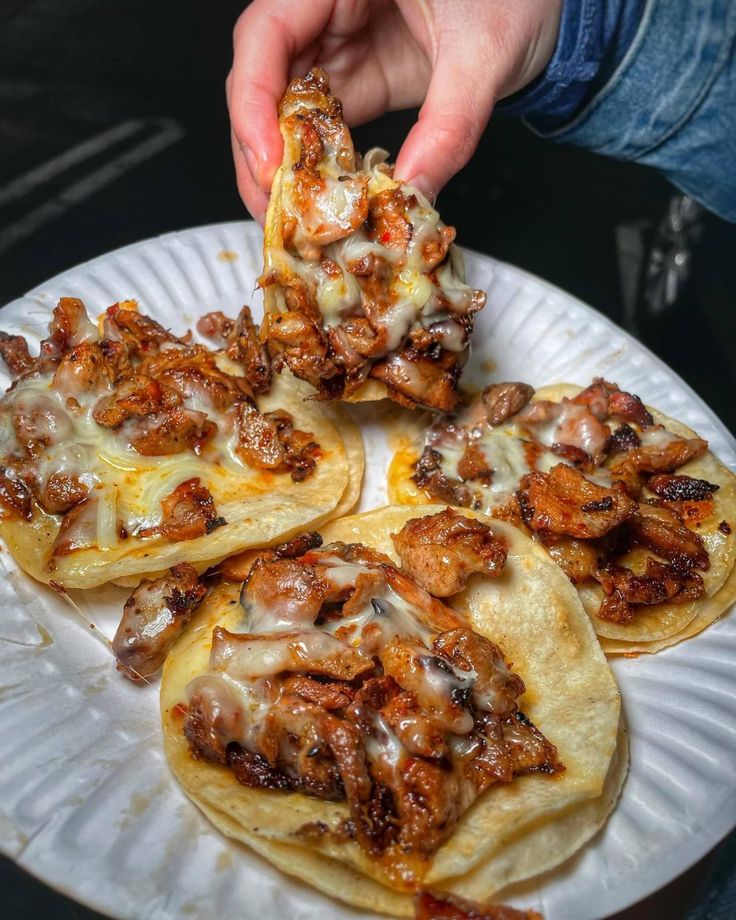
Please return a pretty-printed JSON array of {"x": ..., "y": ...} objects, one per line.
[{"x": 266, "y": 40}]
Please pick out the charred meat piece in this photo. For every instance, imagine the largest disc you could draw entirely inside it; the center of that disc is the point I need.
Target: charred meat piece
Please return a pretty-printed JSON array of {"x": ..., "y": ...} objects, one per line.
[
  {"x": 681, "y": 488},
  {"x": 78, "y": 528},
  {"x": 441, "y": 551},
  {"x": 298, "y": 545},
  {"x": 137, "y": 396},
  {"x": 296, "y": 341},
  {"x": 578, "y": 559},
  {"x": 440, "y": 905},
  {"x": 61, "y": 492},
  {"x": 661, "y": 582},
  {"x": 187, "y": 513},
  {"x": 40, "y": 423},
  {"x": 269, "y": 441},
  {"x": 502, "y": 400},
  {"x": 430, "y": 477},
  {"x": 69, "y": 326},
  {"x": 285, "y": 593},
  {"x": 140, "y": 334},
  {"x": 663, "y": 532},
  {"x": 14, "y": 495},
  {"x": 623, "y": 438},
  {"x": 566, "y": 423},
  {"x": 658, "y": 458},
  {"x": 563, "y": 501},
  {"x": 606, "y": 400},
  {"x": 246, "y": 348},
  {"x": 192, "y": 373},
  {"x": 387, "y": 220},
  {"x": 214, "y": 718},
  {"x": 473, "y": 466},
  {"x": 83, "y": 369},
  {"x": 496, "y": 688},
  {"x": 420, "y": 380},
  {"x": 153, "y": 618},
  {"x": 171, "y": 432},
  {"x": 15, "y": 354}
]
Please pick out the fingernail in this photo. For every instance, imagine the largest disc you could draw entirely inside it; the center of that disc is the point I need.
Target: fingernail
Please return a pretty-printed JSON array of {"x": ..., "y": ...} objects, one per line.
[{"x": 422, "y": 183}]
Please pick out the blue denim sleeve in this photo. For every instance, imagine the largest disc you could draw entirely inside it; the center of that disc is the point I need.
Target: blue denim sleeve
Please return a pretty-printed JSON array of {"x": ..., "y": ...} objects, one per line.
[
  {"x": 670, "y": 102},
  {"x": 593, "y": 39}
]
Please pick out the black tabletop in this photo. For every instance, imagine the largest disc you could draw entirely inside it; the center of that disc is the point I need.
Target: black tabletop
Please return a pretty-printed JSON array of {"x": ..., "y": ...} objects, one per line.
[{"x": 113, "y": 128}]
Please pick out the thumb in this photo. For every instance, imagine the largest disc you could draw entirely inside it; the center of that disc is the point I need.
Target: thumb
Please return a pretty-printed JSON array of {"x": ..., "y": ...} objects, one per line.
[{"x": 456, "y": 110}]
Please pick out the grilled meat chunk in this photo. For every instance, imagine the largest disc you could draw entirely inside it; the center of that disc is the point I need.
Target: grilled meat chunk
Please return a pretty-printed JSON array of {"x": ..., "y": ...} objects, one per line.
[
  {"x": 154, "y": 617},
  {"x": 502, "y": 400},
  {"x": 563, "y": 501},
  {"x": 440, "y": 905},
  {"x": 661, "y": 582},
  {"x": 441, "y": 551},
  {"x": 269, "y": 441},
  {"x": 187, "y": 513}
]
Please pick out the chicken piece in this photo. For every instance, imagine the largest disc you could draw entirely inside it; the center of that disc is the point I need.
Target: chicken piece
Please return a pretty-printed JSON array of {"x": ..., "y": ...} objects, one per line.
[
  {"x": 420, "y": 733},
  {"x": 419, "y": 381},
  {"x": 563, "y": 501},
  {"x": 578, "y": 559},
  {"x": 565, "y": 423},
  {"x": 15, "y": 354},
  {"x": 84, "y": 369},
  {"x": 474, "y": 466},
  {"x": 140, "y": 334},
  {"x": 187, "y": 513},
  {"x": 269, "y": 441},
  {"x": 681, "y": 488},
  {"x": 321, "y": 754},
  {"x": 15, "y": 498},
  {"x": 658, "y": 458},
  {"x": 623, "y": 438},
  {"x": 154, "y": 617},
  {"x": 246, "y": 348},
  {"x": 61, "y": 492},
  {"x": 171, "y": 433},
  {"x": 502, "y": 400},
  {"x": 605, "y": 400},
  {"x": 495, "y": 688},
  {"x": 441, "y": 551},
  {"x": 438, "y": 689},
  {"x": 246, "y": 657},
  {"x": 78, "y": 528},
  {"x": 440, "y": 905},
  {"x": 296, "y": 341},
  {"x": 661, "y": 582},
  {"x": 388, "y": 223},
  {"x": 214, "y": 719},
  {"x": 327, "y": 695},
  {"x": 137, "y": 396},
  {"x": 192, "y": 373},
  {"x": 662, "y": 531},
  {"x": 430, "y": 477},
  {"x": 281, "y": 594},
  {"x": 40, "y": 423},
  {"x": 70, "y": 326}
]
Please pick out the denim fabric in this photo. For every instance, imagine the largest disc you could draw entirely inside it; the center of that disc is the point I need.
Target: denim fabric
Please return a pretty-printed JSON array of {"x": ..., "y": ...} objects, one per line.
[
  {"x": 671, "y": 102},
  {"x": 593, "y": 39}
]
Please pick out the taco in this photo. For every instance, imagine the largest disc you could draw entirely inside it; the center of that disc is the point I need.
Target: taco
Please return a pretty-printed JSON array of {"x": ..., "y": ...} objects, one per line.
[
  {"x": 376, "y": 730},
  {"x": 127, "y": 450},
  {"x": 631, "y": 504},
  {"x": 364, "y": 292}
]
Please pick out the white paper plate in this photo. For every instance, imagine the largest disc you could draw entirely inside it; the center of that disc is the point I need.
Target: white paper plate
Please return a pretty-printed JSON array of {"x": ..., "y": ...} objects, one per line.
[{"x": 86, "y": 801}]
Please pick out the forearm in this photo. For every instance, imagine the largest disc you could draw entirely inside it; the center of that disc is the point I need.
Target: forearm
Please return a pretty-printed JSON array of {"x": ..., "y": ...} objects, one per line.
[{"x": 669, "y": 101}]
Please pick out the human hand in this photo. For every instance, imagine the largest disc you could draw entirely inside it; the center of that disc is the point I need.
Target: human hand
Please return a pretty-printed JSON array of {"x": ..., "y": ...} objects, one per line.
[{"x": 455, "y": 57}]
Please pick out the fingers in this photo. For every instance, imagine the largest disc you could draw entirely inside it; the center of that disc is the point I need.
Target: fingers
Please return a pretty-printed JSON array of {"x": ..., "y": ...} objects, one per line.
[
  {"x": 267, "y": 38},
  {"x": 254, "y": 198},
  {"x": 459, "y": 102}
]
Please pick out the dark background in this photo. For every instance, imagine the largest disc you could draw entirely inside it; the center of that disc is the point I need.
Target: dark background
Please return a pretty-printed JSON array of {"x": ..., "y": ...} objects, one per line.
[{"x": 140, "y": 84}]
